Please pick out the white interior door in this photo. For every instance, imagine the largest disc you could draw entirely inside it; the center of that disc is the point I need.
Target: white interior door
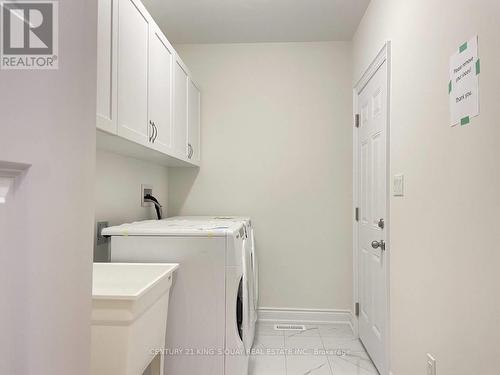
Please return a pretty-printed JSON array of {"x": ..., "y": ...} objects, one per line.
[{"x": 372, "y": 225}]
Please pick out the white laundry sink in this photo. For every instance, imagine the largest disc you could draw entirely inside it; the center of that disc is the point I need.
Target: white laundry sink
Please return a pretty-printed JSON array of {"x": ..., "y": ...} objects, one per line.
[{"x": 129, "y": 316}]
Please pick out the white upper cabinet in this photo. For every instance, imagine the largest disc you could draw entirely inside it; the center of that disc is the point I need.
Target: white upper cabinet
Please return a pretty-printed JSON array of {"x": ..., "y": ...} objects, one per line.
[
  {"x": 133, "y": 37},
  {"x": 107, "y": 38},
  {"x": 161, "y": 55},
  {"x": 148, "y": 107},
  {"x": 180, "y": 110},
  {"x": 193, "y": 122}
]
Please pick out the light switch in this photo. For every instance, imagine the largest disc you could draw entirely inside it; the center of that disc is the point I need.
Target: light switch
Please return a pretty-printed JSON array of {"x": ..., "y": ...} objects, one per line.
[{"x": 398, "y": 189}]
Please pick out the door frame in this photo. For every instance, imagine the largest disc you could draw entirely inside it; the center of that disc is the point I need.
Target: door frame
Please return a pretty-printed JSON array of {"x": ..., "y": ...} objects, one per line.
[{"x": 384, "y": 55}]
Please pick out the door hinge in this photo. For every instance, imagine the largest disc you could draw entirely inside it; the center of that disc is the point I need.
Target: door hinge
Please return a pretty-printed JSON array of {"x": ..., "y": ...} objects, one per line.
[
  {"x": 356, "y": 309},
  {"x": 356, "y": 213},
  {"x": 356, "y": 120}
]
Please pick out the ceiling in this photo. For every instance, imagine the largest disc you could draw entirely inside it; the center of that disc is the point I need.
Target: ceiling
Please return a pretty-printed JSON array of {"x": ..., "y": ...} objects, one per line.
[{"x": 249, "y": 21}]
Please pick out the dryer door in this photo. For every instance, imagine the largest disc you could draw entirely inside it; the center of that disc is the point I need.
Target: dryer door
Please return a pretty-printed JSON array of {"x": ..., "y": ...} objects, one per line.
[
  {"x": 255, "y": 269},
  {"x": 248, "y": 316},
  {"x": 236, "y": 358},
  {"x": 239, "y": 310}
]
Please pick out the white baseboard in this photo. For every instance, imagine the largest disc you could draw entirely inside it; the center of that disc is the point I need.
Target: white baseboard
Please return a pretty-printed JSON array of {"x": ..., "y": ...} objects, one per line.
[{"x": 305, "y": 315}]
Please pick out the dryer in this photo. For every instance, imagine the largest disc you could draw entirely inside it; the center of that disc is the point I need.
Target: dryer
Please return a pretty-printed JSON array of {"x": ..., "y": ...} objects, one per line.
[
  {"x": 253, "y": 275},
  {"x": 210, "y": 300}
]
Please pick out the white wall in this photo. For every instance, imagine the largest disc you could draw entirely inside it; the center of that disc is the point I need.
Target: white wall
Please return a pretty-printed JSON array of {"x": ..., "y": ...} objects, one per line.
[
  {"x": 118, "y": 190},
  {"x": 47, "y": 119},
  {"x": 445, "y": 238},
  {"x": 276, "y": 145}
]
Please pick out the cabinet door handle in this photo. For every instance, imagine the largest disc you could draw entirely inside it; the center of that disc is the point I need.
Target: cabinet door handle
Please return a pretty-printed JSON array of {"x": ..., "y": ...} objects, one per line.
[
  {"x": 155, "y": 132},
  {"x": 151, "y": 131},
  {"x": 190, "y": 151}
]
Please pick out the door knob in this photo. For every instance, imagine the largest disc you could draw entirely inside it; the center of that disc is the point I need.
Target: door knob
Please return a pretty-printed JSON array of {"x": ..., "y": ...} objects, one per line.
[{"x": 377, "y": 244}]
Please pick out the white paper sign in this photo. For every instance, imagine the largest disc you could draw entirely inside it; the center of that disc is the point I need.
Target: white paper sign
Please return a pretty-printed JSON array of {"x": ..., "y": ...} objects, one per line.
[{"x": 463, "y": 86}]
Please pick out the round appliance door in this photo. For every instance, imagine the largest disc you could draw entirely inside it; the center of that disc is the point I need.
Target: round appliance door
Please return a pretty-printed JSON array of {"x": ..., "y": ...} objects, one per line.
[{"x": 239, "y": 310}]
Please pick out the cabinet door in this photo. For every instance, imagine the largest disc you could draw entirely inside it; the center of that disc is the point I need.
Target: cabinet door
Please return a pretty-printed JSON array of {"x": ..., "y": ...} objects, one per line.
[
  {"x": 180, "y": 111},
  {"x": 160, "y": 90},
  {"x": 133, "y": 28},
  {"x": 193, "y": 122},
  {"x": 107, "y": 38}
]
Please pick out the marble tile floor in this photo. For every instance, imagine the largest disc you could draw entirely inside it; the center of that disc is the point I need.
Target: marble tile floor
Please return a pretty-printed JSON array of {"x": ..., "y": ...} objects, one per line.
[{"x": 322, "y": 349}]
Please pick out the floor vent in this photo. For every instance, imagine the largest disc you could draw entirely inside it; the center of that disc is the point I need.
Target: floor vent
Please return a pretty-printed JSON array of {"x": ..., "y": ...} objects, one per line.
[{"x": 289, "y": 327}]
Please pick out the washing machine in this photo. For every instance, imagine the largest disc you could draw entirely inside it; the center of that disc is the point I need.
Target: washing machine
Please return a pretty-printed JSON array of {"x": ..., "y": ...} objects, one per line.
[
  {"x": 210, "y": 302},
  {"x": 253, "y": 275}
]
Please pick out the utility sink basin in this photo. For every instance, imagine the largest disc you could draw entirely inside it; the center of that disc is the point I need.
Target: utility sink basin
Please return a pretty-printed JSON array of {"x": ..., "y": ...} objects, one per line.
[{"x": 129, "y": 316}]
